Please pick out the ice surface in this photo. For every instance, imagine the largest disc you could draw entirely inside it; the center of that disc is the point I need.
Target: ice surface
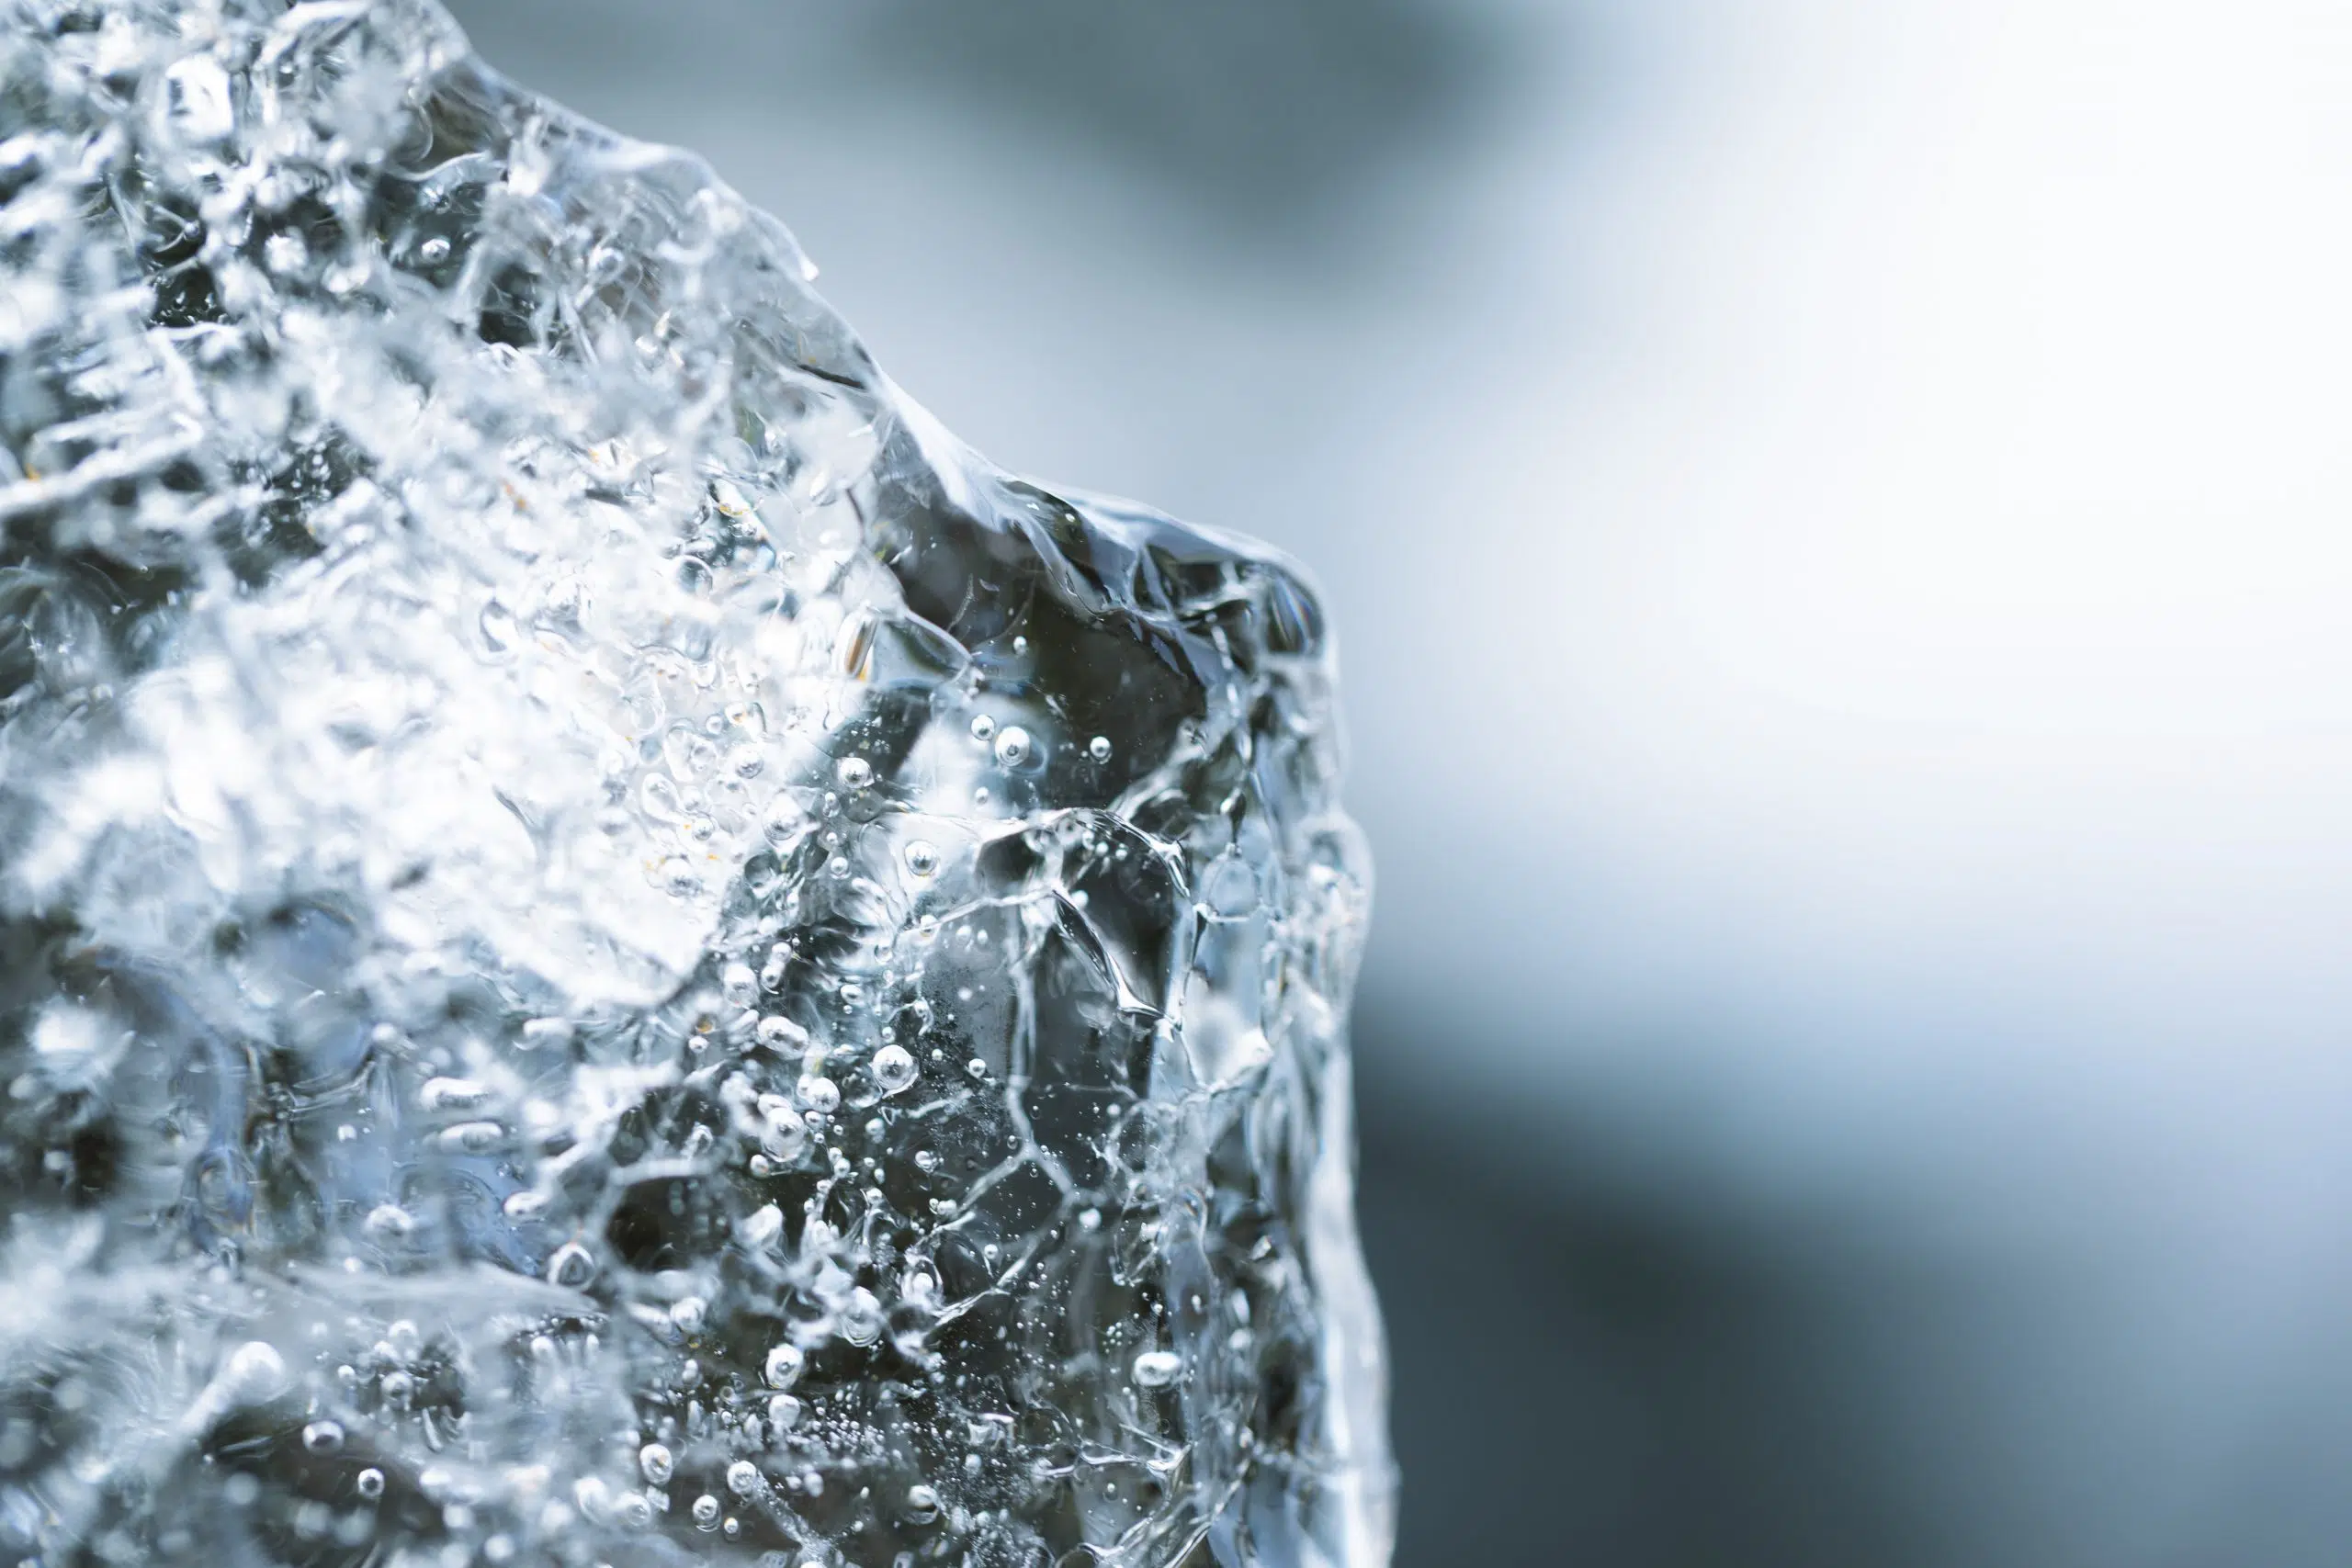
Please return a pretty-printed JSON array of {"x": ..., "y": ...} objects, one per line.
[{"x": 612, "y": 949}]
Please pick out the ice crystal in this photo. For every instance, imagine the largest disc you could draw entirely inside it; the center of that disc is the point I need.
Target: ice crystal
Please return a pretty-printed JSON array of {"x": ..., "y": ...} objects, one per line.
[{"x": 612, "y": 949}]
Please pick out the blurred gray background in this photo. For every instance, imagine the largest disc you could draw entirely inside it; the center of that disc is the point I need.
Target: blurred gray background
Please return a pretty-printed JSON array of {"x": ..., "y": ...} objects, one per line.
[{"x": 1835, "y": 512}]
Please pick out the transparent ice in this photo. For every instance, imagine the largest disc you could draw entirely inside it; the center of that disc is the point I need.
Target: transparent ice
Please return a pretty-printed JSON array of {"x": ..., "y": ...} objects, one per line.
[{"x": 612, "y": 949}]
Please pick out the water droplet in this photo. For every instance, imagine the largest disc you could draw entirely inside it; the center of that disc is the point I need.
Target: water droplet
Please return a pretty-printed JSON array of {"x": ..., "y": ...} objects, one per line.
[
  {"x": 783, "y": 1364},
  {"x": 982, "y": 726},
  {"x": 1013, "y": 746},
  {"x": 688, "y": 1314},
  {"x": 821, "y": 1095},
  {"x": 743, "y": 1478},
  {"x": 922, "y": 1502},
  {"x": 855, "y": 772},
  {"x": 322, "y": 1438},
  {"x": 784, "y": 1413},
  {"x": 705, "y": 1512},
  {"x": 922, "y": 859},
  {"x": 739, "y": 984},
  {"x": 894, "y": 1068},
  {"x": 1158, "y": 1369},
  {"x": 370, "y": 1482},
  {"x": 1099, "y": 747},
  {"x": 655, "y": 1460},
  {"x": 633, "y": 1511}
]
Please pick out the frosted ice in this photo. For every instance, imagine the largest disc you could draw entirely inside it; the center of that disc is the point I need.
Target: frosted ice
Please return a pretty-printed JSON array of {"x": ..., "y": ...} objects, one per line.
[{"x": 612, "y": 949}]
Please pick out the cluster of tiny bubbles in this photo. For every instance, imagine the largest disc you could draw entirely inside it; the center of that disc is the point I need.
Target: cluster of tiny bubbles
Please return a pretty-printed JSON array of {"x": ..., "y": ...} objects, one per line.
[{"x": 616, "y": 956}]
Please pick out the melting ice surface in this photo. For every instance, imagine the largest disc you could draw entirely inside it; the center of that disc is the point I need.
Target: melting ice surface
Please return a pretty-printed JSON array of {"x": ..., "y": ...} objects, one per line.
[{"x": 612, "y": 949}]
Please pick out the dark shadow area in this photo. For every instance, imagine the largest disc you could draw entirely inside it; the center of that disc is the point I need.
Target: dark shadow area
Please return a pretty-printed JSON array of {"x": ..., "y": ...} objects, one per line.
[
  {"x": 1594, "y": 1369},
  {"x": 1262, "y": 109},
  {"x": 1269, "y": 119}
]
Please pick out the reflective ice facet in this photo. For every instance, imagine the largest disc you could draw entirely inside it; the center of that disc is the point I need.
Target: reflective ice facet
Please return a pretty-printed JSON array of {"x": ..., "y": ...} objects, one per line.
[{"x": 612, "y": 949}]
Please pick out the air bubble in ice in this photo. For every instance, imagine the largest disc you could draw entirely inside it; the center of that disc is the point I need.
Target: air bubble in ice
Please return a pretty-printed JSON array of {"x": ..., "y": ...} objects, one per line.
[
  {"x": 894, "y": 1068},
  {"x": 256, "y": 1371},
  {"x": 389, "y": 1221},
  {"x": 572, "y": 1266},
  {"x": 781, "y": 1034}
]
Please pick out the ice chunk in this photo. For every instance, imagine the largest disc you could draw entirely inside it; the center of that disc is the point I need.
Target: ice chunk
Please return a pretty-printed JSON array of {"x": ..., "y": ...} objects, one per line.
[{"x": 612, "y": 949}]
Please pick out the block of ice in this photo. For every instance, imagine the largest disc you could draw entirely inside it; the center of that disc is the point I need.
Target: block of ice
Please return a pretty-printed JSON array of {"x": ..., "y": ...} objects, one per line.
[{"x": 612, "y": 949}]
